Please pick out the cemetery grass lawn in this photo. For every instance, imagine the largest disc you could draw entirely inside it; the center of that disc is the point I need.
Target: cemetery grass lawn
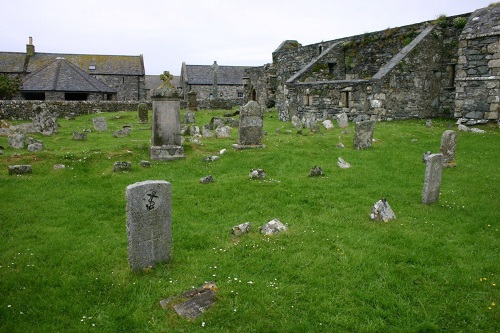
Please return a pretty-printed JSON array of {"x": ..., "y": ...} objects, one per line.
[{"x": 436, "y": 268}]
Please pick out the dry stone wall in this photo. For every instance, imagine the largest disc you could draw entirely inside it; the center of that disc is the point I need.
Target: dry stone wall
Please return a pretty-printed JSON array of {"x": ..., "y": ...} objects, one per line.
[{"x": 25, "y": 110}]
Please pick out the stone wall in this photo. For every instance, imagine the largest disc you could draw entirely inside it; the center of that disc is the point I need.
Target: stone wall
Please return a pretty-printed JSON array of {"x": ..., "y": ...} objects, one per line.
[
  {"x": 129, "y": 88},
  {"x": 25, "y": 110}
]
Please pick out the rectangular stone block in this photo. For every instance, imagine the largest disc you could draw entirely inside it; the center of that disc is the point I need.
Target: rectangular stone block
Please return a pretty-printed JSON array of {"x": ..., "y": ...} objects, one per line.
[
  {"x": 149, "y": 223},
  {"x": 432, "y": 181}
]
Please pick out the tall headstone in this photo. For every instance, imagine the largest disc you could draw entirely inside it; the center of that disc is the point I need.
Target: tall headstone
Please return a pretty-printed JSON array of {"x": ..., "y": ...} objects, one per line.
[
  {"x": 149, "y": 223},
  {"x": 166, "y": 139},
  {"x": 343, "y": 120},
  {"x": 448, "y": 148},
  {"x": 363, "y": 135},
  {"x": 432, "y": 181},
  {"x": 250, "y": 128},
  {"x": 192, "y": 102},
  {"x": 142, "y": 110},
  {"x": 100, "y": 124}
]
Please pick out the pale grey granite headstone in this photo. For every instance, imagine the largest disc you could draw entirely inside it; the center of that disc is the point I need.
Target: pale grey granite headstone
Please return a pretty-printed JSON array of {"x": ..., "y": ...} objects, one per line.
[
  {"x": 149, "y": 223},
  {"x": 448, "y": 148},
  {"x": 363, "y": 135},
  {"x": 432, "y": 181},
  {"x": 100, "y": 124}
]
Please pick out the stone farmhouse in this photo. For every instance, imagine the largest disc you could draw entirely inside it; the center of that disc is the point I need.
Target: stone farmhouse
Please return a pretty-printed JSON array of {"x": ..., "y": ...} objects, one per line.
[
  {"x": 213, "y": 85},
  {"x": 56, "y": 77},
  {"x": 447, "y": 67}
]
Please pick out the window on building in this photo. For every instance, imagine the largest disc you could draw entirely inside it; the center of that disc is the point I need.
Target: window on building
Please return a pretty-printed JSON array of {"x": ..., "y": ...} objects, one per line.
[
  {"x": 344, "y": 98},
  {"x": 211, "y": 96},
  {"x": 34, "y": 96},
  {"x": 240, "y": 94},
  {"x": 75, "y": 96},
  {"x": 331, "y": 67},
  {"x": 92, "y": 67}
]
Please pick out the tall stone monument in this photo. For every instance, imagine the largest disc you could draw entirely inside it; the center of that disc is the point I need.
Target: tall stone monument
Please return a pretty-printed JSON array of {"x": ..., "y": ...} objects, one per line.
[
  {"x": 250, "y": 127},
  {"x": 166, "y": 140},
  {"x": 432, "y": 182},
  {"x": 149, "y": 223},
  {"x": 448, "y": 148},
  {"x": 363, "y": 135}
]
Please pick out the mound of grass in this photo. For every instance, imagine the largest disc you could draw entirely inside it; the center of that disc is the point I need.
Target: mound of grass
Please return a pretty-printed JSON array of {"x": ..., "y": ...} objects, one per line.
[{"x": 63, "y": 244}]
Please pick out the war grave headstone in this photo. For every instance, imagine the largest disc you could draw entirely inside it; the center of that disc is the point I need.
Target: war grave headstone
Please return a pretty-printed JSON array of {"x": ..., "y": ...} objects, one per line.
[
  {"x": 149, "y": 223},
  {"x": 250, "y": 128},
  {"x": 448, "y": 148},
  {"x": 100, "y": 124},
  {"x": 363, "y": 135},
  {"x": 432, "y": 181},
  {"x": 166, "y": 138}
]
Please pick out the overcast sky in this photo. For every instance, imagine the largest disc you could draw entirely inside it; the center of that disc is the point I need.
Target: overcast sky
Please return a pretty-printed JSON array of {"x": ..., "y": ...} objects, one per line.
[{"x": 198, "y": 32}]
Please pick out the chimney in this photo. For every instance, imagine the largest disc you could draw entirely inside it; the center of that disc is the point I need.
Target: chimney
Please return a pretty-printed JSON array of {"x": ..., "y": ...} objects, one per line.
[{"x": 30, "y": 48}]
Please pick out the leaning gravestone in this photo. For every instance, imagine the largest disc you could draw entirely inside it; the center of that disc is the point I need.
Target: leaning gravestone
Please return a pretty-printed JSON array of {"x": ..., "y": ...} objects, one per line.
[
  {"x": 343, "y": 120},
  {"x": 250, "y": 127},
  {"x": 149, "y": 223},
  {"x": 100, "y": 124},
  {"x": 166, "y": 139},
  {"x": 448, "y": 148},
  {"x": 432, "y": 182},
  {"x": 363, "y": 135}
]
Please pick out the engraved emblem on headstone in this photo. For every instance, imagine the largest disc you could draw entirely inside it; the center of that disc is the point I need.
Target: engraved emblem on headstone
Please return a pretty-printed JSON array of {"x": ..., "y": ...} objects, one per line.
[{"x": 151, "y": 198}]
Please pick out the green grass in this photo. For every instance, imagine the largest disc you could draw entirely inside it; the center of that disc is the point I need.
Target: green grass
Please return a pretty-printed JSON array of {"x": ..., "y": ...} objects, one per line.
[{"x": 436, "y": 268}]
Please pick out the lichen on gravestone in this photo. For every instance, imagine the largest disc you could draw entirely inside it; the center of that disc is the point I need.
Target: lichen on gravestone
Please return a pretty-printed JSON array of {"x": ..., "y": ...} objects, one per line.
[{"x": 382, "y": 211}]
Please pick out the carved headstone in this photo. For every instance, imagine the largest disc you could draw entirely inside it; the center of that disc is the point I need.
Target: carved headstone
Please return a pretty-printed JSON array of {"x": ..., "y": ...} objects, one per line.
[
  {"x": 166, "y": 140},
  {"x": 100, "y": 124},
  {"x": 432, "y": 182},
  {"x": 363, "y": 135},
  {"x": 149, "y": 223},
  {"x": 342, "y": 120},
  {"x": 192, "y": 102},
  {"x": 448, "y": 148},
  {"x": 250, "y": 127}
]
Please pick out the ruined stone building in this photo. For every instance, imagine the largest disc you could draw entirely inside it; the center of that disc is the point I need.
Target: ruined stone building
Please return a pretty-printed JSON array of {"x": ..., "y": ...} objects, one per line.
[
  {"x": 447, "y": 67},
  {"x": 53, "y": 76},
  {"x": 213, "y": 84}
]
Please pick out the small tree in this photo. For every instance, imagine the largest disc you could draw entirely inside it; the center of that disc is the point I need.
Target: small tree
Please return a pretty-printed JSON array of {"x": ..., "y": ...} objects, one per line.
[
  {"x": 166, "y": 77},
  {"x": 8, "y": 86}
]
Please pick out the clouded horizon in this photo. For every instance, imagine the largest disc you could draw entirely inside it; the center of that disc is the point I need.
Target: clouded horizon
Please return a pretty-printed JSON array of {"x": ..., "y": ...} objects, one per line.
[{"x": 199, "y": 32}]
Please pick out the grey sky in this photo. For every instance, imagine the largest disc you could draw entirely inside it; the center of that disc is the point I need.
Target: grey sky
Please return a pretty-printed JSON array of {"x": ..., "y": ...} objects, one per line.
[{"x": 232, "y": 32}]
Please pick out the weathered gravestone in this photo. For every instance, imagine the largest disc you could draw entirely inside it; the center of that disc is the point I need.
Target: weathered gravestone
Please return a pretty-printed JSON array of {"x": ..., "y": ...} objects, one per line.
[
  {"x": 250, "y": 127},
  {"x": 382, "y": 211},
  {"x": 189, "y": 117},
  {"x": 149, "y": 223},
  {"x": 166, "y": 139},
  {"x": 36, "y": 146},
  {"x": 142, "y": 111},
  {"x": 100, "y": 124},
  {"x": 432, "y": 182},
  {"x": 16, "y": 140},
  {"x": 45, "y": 121},
  {"x": 20, "y": 169},
  {"x": 122, "y": 166},
  {"x": 363, "y": 135},
  {"x": 297, "y": 123},
  {"x": 77, "y": 136},
  {"x": 328, "y": 124},
  {"x": 448, "y": 148},
  {"x": 343, "y": 120},
  {"x": 192, "y": 102}
]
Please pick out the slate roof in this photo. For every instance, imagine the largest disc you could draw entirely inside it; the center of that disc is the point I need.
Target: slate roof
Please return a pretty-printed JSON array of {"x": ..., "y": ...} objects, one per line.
[
  {"x": 62, "y": 75},
  {"x": 12, "y": 62},
  {"x": 483, "y": 22},
  {"x": 103, "y": 64},
  {"x": 204, "y": 75}
]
